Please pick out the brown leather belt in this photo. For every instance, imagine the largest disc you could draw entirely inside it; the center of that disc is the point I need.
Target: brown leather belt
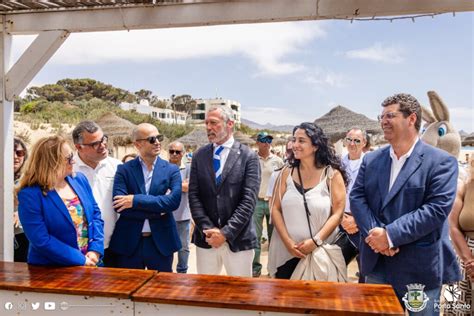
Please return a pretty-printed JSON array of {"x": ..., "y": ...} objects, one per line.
[{"x": 146, "y": 234}]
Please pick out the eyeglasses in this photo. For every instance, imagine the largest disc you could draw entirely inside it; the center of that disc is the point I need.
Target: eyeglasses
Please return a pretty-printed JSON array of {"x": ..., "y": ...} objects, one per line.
[
  {"x": 265, "y": 140},
  {"x": 19, "y": 152},
  {"x": 153, "y": 139},
  {"x": 355, "y": 140},
  {"x": 388, "y": 116},
  {"x": 70, "y": 158},
  {"x": 97, "y": 144},
  {"x": 175, "y": 152}
]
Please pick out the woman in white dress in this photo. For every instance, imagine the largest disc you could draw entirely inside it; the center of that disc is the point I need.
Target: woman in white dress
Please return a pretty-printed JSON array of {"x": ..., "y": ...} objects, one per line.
[{"x": 308, "y": 232}]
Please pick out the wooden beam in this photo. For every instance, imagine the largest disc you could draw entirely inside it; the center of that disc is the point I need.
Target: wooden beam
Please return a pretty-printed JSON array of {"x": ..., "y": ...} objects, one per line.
[
  {"x": 222, "y": 12},
  {"x": 32, "y": 60}
]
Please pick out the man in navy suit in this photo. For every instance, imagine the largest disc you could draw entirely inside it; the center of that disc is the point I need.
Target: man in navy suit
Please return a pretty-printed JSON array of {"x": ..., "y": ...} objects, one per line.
[
  {"x": 401, "y": 200},
  {"x": 223, "y": 188},
  {"x": 146, "y": 191}
]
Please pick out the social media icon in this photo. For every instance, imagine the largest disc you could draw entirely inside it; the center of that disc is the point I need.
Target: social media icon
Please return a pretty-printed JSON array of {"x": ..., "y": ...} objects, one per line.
[
  {"x": 35, "y": 305},
  {"x": 49, "y": 306},
  {"x": 8, "y": 306},
  {"x": 64, "y": 306},
  {"x": 22, "y": 306}
]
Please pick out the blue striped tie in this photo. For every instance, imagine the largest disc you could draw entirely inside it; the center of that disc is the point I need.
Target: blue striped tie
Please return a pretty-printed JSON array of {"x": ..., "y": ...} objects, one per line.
[{"x": 216, "y": 159}]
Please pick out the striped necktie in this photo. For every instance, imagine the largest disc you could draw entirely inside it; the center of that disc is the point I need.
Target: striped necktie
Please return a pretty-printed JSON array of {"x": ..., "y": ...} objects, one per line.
[{"x": 216, "y": 159}]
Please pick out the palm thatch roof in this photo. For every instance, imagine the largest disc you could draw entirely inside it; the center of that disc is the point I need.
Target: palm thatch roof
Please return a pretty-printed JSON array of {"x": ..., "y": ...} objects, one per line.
[
  {"x": 468, "y": 140},
  {"x": 195, "y": 139},
  {"x": 339, "y": 120},
  {"x": 118, "y": 129},
  {"x": 244, "y": 139}
]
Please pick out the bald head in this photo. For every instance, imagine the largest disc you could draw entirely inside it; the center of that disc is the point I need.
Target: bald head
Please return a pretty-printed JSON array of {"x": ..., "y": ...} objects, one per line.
[
  {"x": 147, "y": 141},
  {"x": 143, "y": 129}
]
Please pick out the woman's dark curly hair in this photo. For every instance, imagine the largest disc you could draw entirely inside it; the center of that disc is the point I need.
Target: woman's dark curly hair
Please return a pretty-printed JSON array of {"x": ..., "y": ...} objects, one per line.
[{"x": 325, "y": 155}]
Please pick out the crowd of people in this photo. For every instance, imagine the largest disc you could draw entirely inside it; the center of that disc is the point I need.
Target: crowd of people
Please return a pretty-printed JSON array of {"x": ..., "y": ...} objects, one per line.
[{"x": 389, "y": 207}]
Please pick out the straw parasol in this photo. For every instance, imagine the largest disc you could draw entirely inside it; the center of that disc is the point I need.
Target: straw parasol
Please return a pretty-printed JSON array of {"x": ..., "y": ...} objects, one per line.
[
  {"x": 244, "y": 139},
  {"x": 339, "y": 120},
  {"x": 468, "y": 140},
  {"x": 116, "y": 128},
  {"x": 195, "y": 139}
]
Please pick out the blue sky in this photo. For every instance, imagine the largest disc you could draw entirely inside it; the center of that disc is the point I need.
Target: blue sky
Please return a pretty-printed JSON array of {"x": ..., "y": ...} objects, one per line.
[{"x": 284, "y": 73}]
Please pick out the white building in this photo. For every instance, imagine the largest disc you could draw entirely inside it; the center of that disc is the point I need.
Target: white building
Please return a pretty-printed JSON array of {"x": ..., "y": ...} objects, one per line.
[
  {"x": 202, "y": 105},
  {"x": 165, "y": 115}
]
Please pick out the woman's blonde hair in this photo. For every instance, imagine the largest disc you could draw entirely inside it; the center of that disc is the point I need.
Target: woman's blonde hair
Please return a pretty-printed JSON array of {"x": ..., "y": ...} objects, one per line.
[{"x": 45, "y": 164}]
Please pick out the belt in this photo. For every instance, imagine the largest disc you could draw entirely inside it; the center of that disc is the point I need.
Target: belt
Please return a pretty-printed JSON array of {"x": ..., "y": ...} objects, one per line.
[{"x": 148, "y": 234}]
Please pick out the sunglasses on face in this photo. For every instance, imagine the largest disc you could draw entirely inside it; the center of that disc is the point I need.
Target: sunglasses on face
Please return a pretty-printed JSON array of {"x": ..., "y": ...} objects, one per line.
[
  {"x": 96, "y": 145},
  {"x": 70, "y": 159},
  {"x": 175, "y": 152},
  {"x": 388, "y": 116},
  {"x": 19, "y": 152},
  {"x": 153, "y": 139},
  {"x": 355, "y": 140},
  {"x": 265, "y": 140}
]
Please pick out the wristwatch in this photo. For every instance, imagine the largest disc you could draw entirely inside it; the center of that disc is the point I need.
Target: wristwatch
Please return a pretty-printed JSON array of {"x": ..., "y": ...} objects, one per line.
[{"x": 317, "y": 240}]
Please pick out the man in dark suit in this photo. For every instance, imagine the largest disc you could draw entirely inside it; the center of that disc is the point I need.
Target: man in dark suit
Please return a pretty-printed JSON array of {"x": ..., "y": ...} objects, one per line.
[
  {"x": 401, "y": 200},
  {"x": 223, "y": 188},
  {"x": 146, "y": 191}
]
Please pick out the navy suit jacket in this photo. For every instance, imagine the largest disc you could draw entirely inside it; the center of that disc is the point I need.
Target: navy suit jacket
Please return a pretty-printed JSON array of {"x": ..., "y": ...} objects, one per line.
[
  {"x": 229, "y": 205},
  {"x": 157, "y": 207},
  {"x": 414, "y": 213},
  {"x": 49, "y": 227}
]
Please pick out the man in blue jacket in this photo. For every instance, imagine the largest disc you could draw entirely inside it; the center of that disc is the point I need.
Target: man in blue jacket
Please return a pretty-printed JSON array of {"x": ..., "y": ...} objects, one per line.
[
  {"x": 146, "y": 191},
  {"x": 401, "y": 200}
]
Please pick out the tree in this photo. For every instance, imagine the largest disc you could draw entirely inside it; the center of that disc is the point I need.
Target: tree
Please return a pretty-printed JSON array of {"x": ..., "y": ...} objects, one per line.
[
  {"x": 183, "y": 103},
  {"x": 143, "y": 94}
]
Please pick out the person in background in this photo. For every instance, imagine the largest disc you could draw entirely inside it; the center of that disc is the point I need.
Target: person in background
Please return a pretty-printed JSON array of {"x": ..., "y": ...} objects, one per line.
[
  {"x": 128, "y": 157},
  {"x": 269, "y": 162},
  {"x": 93, "y": 161},
  {"x": 182, "y": 215},
  {"x": 57, "y": 209},
  {"x": 461, "y": 230},
  {"x": 223, "y": 188},
  {"x": 20, "y": 154},
  {"x": 146, "y": 191},
  {"x": 401, "y": 201},
  {"x": 307, "y": 207},
  {"x": 355, "y": 142}
]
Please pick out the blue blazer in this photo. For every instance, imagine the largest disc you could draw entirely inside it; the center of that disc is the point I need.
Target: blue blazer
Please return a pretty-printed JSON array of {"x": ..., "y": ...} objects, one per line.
[
  {"x": 49, "y": 227},
  {"x": 157, "y": 207},
  {"x": 413, "y": 212}
]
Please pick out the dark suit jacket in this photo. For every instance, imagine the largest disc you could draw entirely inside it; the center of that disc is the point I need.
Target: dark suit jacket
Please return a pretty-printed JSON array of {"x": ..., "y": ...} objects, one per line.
[
  {"x": 413, "y": 213},
  {"x": 230, "y": 205},
  {"x": 49, "y": 227},
  {"x": 157, "y": 207}
]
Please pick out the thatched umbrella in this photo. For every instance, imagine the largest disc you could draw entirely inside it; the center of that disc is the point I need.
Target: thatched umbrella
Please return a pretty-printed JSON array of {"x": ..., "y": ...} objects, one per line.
[
  {"x": 195, "y": 139},
  {"x": 468, "y": 140},
  {"x": 339, "y": 120},
  {"x": 244, "y": 139},
  {"x": 117, "y": 129}
]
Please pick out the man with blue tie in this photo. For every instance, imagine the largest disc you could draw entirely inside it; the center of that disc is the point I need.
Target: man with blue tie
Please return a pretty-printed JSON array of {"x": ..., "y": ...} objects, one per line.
[
  {"x": 223, "y": 187},
  {"x": 146, "y": 191},
  {"x": 401, "y": 200}
]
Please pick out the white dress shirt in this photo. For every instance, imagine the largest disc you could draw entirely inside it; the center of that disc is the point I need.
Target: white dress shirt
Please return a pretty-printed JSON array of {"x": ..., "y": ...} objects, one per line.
[
  {"x": 147, "y": 176},
  {"x": 225, "y": 152},
  {"x": 101, "y": 180}
]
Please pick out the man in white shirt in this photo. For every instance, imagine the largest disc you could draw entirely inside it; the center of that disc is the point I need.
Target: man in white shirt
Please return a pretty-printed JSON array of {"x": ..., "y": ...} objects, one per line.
[
  {"x": 93, "y": 161},
  {"x": 268, "y": 164}
]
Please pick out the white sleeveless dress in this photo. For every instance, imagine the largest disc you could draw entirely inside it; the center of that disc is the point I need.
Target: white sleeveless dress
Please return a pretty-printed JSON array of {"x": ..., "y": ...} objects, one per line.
[{"x": 294, "y": 216}]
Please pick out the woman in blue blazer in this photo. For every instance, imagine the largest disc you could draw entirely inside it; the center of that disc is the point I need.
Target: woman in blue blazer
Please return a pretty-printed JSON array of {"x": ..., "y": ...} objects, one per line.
[{"x": 57, "y": 209}]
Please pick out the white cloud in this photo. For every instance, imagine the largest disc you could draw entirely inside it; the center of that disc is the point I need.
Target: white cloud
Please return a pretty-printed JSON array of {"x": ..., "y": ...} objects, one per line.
[
  {"x": 378, "y": 53},
  {"x": 462, "y": 118},
  {"x": 276, "y": 116},
  {"x": 268, "y": 45},
  {"x": 320, "y": 77}
]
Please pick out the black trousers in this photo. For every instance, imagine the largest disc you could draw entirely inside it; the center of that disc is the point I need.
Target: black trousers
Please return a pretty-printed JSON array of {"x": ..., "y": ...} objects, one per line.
[
  {"x": 21, "y": 245},
  {"x": 286, "y": 270}
]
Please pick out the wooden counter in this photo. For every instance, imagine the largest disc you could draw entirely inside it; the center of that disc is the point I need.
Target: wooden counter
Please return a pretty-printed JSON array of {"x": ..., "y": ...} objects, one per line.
[
  {"x": 268, "y": 295},
  {"x": 105, "y": 282}
]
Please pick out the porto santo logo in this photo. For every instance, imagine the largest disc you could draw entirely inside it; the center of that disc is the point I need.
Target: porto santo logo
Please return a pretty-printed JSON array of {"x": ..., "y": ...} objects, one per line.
[{"x": 415, "y": 299}]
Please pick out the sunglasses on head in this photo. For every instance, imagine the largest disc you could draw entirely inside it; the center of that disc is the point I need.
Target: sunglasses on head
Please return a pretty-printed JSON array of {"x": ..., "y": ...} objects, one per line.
[
  {"x": 70, "y": 158},
  {"x": 97, "y": 144},
  {"x": 355, "y": 140},
  {"x": 20, "y": 152},
  {"x": 265, "y": 140},
  {"x": 153, "y": 139},
  {"x": 175, "y": 152}
]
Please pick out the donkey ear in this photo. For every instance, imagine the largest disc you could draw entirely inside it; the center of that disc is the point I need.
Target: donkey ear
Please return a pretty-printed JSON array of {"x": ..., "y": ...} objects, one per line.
[
  {"x": 427, "y": 115},
  {"x": 440, "y": 110}
]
